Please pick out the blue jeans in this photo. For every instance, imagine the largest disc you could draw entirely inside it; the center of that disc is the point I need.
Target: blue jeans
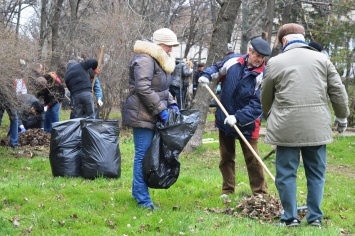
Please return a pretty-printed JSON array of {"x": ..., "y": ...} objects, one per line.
[
  {"x": 51, "y": 116},
  {"x": 13, "y": 132},
  {"x": 287, "y": 162},
  {"x": 142, "y": 140}
]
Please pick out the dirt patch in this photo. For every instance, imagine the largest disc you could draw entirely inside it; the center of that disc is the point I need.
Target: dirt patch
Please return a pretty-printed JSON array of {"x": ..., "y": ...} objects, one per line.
[{"x": 342, "y": 170}]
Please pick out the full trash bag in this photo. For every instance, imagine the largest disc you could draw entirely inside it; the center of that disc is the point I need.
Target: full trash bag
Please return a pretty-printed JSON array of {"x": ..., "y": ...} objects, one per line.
[
  {"x": 101, "y": 155},
  {"x": 65, "y": 148},
  {"x": 161, "y": 167}
]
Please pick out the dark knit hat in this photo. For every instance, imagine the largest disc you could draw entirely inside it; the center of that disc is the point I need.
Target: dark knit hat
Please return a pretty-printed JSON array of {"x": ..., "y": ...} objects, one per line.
[
  {"x": 38, "y": 107},
  {"x": 261, "y": 46},
  {"x": 291, "y": 28},
  {"x": 316, "y": 45}
]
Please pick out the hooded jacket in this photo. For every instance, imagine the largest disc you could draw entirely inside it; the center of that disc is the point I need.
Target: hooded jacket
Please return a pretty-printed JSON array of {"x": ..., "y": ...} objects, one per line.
[
  {"x": 149, "y": 80},
  {"x": 77, "y": 77},
  {"x": 240, "y": 95},
  {"x": 295, "y": 93}
]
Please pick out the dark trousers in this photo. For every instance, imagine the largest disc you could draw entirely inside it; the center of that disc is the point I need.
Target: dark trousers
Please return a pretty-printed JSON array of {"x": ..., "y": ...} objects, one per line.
[
  {"x": 256, "y": 174},
  {"x": 83, "y": 105},
  {"x": 180, "y": 97}
]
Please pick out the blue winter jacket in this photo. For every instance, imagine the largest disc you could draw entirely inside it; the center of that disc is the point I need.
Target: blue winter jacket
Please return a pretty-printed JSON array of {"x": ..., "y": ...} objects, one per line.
[{"x": 240, "y": 95}]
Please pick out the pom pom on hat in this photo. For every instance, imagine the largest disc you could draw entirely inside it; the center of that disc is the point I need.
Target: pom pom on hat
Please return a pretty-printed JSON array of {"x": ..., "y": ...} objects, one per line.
[{"x": 165, "y": 36}]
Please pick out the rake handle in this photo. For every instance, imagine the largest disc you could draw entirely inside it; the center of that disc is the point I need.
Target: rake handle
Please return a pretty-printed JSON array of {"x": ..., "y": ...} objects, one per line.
[{"x": 240, "y": 134}]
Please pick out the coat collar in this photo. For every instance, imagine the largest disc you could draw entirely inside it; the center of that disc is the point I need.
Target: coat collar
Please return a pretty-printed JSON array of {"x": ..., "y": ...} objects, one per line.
[
  {"x": 243, "y": 59},
  {"x": 167, "y": 62}
]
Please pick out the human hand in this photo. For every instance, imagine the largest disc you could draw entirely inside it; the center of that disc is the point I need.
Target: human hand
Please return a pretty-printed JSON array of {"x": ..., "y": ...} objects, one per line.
[
  {"x": 203, "y": 81},
  {"x": 22, "y": 129},
  {"x": 341, "y": 123},
  {"x": 230, "y": 120},
  {"x": 164, "y": 116},
  {"x": 174, "y": 107},
  {"x": 45, "y": 108},
  {"x": 97, "y": 71},
  {"x": 219, "y": 88},
  {"x": 100, "y": 102}
]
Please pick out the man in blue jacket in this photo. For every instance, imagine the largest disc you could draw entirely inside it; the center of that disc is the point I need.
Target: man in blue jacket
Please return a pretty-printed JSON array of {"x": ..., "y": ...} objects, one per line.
[
  {"x": 79, "y": 84},
  {"x": 240, "y": 96}
]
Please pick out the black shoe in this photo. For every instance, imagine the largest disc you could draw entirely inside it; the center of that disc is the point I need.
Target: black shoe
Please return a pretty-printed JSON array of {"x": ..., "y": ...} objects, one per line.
[
  {"x": 152, "y": 207},
  {"x": 316, "y": 223},
  {"x": 293, "y": 223}
]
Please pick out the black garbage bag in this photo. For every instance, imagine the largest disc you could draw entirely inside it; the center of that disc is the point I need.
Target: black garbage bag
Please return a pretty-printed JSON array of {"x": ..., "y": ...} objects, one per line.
[
  {"x": 161, "y": 166},
  {"x": 65, "y": 148},
  {"x": 100, "y": 153}
]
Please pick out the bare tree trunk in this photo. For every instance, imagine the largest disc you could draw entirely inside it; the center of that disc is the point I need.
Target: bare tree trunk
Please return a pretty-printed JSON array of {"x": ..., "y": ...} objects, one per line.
[
  {"x": 43, "y": 26},
  {"x": 55, "y": 30},
  {"x": 222, "y": 32},
  {"x": 269, "y": 20}
]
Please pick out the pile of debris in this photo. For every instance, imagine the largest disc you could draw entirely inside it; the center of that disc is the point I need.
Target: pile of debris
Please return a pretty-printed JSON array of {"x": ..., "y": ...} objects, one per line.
[
  {"x": 262, "y": 207},
  {"x": 32, "y": 137}
]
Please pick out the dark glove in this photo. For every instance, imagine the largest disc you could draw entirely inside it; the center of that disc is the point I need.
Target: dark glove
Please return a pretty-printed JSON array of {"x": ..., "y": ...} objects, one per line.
[
  {"x": 174, "y": 107},
  {"x": 341, "y": 123},
  {"x": 164, "y": 116}
]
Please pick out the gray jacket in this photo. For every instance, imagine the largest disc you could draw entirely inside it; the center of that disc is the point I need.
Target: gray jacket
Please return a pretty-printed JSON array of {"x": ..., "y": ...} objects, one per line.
[
  {"x": 180, "y": 74},
  {"x": 149, "y": 81},
  {"x": 295, "y": 90}
]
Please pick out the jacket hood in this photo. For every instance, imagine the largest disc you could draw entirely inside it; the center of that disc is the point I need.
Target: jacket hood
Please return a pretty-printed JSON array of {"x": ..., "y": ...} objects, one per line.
[{"x": 167, "y": 62}]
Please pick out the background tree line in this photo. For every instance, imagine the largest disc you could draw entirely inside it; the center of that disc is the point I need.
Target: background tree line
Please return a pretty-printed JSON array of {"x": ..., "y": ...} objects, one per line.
[{"x": 62, "y": 30}]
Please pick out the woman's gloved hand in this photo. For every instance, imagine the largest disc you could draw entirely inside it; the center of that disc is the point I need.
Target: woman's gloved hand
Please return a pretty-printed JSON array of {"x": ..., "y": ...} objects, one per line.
[{"x": 163, "y": 116}]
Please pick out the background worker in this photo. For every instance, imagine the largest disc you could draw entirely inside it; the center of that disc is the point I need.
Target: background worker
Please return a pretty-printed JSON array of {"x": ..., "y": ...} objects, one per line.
[{"x": 78, "y": 82}]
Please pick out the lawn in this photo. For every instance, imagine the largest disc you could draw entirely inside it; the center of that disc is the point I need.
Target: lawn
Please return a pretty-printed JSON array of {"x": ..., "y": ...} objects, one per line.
[{"x": 33, "y": 202}]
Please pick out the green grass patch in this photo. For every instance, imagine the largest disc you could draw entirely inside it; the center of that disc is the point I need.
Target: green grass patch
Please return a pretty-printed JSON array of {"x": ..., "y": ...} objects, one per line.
[{"x": 33, "y": 202}]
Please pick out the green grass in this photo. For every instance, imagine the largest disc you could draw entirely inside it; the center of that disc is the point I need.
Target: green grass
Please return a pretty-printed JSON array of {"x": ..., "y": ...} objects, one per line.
[{"x": 33, "y": 202}]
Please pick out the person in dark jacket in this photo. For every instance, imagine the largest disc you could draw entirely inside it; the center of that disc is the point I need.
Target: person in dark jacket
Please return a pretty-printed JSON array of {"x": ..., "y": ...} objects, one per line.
[
  {"x": 149, "y": 98},
  {"x": 240, "y": 96},
  {"x": 179, "y": 82},
  {"x": 196, "y": 76},
  {"x": 78, "y": 82},
  {"x": 31, "y": 113},
  {"x": 52, "y": 92}
]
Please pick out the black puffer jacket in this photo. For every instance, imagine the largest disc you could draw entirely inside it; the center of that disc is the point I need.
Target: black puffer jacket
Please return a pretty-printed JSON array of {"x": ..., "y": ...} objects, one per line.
[
  {"x": 149, "y": 81},
  {"x": 77, "y": 77}
]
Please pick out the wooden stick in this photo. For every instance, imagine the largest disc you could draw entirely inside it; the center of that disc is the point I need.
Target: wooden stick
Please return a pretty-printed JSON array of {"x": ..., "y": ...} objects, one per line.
[
  {"x": 241, "y": 135},
  {"x": 98, "y": 66}
]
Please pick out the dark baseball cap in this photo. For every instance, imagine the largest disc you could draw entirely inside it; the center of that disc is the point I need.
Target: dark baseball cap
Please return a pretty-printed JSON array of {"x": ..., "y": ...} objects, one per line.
[{"x": 261, "y": 46}]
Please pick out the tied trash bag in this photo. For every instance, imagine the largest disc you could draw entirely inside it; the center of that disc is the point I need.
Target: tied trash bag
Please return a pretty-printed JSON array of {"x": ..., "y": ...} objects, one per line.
[
  {"x": 161, "y": 167},
  {"x": 65, "y": 148},
  {"x": 100, "y": 152}
]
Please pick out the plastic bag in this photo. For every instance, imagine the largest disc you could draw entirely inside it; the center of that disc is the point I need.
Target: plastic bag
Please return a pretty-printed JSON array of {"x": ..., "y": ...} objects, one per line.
[
  {"x": 65, "y": 148},
  {"x": 101, "y": 155},
  {"x": 161, "y": 167}
]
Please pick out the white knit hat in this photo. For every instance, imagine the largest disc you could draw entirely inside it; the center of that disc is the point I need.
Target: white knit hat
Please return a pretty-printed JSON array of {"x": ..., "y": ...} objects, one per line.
[{"x": 165, "y": 36}]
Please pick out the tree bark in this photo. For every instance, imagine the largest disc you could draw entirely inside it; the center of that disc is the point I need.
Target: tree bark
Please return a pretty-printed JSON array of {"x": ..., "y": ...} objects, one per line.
[{"x": 222, "y": 32}]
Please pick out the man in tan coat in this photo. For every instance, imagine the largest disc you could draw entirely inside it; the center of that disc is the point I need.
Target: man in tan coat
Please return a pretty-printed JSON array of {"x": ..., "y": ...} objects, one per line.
[{"x": 294, "y": 98}]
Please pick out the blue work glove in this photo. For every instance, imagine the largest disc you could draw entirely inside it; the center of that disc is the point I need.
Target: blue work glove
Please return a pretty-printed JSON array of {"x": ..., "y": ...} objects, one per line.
[
  {"x": 219, "y": 88},
  {"x": 164, "y": 116},
  {"x": 22, "y": 129},
  {"x": 174, "y": 107}
]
